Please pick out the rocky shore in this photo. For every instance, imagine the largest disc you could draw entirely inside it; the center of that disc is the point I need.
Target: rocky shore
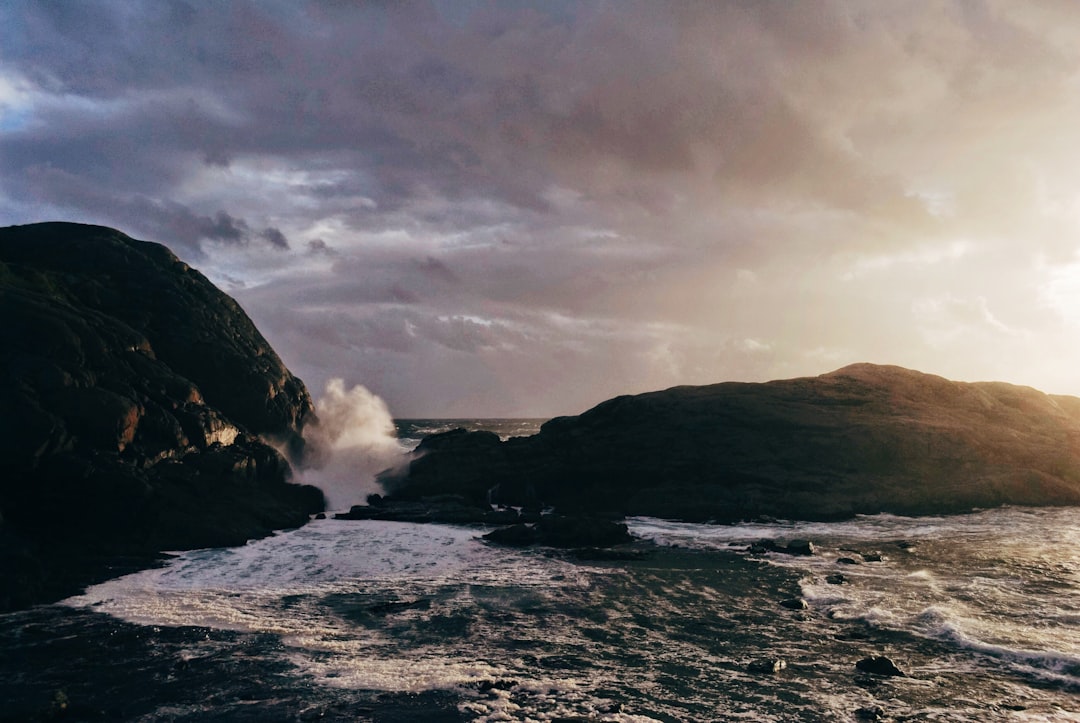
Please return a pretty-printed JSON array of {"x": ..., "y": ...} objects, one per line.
[
  {"x": 140, "y": 411},
  {"x": 863, "y": 439},
  {"x": 515, "y": 528}
]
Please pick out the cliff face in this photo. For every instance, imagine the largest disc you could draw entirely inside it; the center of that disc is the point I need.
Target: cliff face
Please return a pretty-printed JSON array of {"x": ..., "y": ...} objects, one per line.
[
  {"x": 863, "y": 439},
  {"x": 137, "y": 407}
]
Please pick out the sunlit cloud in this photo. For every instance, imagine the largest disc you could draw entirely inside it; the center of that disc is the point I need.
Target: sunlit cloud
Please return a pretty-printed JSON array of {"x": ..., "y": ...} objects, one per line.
[{"x": 526, "y": 208}]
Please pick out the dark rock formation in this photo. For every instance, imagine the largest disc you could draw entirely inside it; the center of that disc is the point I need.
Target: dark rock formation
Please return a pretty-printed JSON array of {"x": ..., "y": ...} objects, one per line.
[
  {"x": 871, "y": 712},
  {"x": 447, "y": 509},
  {"x": 767, "y": 665},
  {"x": 798, "y": 547},
  {"x": 138, "y": 404},
  {"x": 563, "y": 531},
  {"x": 514, "y": 536},
  {"x": 863, "y": 439},
  {"x": 879, "y": 665}
]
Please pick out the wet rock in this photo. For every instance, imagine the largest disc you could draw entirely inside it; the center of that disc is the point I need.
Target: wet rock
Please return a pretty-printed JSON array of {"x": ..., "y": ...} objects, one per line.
[
  {"x": 566, "y": 531},
  {"x": 514, "y": 536},
  {"x": 581, "y": 531},
  {"x": 879, "y": 665},
  {"x": 500, "y": 684},
  {"x": 358, "y": 512},
  {"x": 761, "y": 547},
  {"x": 872, "y": 557},
  {"x": 767, "y": 665},
  {"x": 799, "y": 547},
  {"x": 836, "y": 579},
  {"x": 447, "y": 509},
  {"x": 795, "y": 603},
  {"x": 846, "y": 561},
  {"x": 871, "y": 713}
]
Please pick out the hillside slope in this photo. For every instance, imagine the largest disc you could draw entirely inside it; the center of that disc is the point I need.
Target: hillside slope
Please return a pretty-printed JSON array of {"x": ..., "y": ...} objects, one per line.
[
  {"x": 138, "y": 406},
  {"x": 862, "y": 439}
]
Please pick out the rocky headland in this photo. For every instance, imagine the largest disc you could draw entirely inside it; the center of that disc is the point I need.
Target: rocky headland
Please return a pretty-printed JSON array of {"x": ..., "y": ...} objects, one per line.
[
  {"x": 140, "y": 411},
  {"x": 864, "y": 439}
]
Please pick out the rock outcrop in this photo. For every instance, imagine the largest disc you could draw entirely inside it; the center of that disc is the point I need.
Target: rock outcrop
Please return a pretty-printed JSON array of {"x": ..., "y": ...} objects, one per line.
[
  {"x": 862, "y": 439},
  {"x": 140, "y": 410}
]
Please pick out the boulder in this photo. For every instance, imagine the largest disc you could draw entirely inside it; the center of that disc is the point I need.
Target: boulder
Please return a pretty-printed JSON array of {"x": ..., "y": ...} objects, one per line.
[
  {"x": 871, "y": 713},
  {"x": 581, "y": 531},
  {"x": 798, "y": 547},
  {"x": 767, "y": 665},
  {"x": 448, "y": 509},
  {"x": 564, "y": 531},
  {"x": 514, "y": 536},
  {"x": 879, "y": 665}
]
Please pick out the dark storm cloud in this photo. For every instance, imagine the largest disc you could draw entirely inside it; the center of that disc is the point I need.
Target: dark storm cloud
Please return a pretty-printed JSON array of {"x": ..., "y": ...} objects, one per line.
[
  {"x": 158, "y": 218},
  {"x": 274, "y": 237},
  {"x": 503, "y": 106}
]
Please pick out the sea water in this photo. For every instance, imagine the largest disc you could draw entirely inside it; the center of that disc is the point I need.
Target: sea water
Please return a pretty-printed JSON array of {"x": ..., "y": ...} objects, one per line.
[
  {"x": 373, "y": 620},
  {"x": 981, "y": 611}
]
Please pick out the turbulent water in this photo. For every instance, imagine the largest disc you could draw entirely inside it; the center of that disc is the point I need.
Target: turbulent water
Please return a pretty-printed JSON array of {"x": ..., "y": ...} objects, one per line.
[{"x": 368, "y": 620}]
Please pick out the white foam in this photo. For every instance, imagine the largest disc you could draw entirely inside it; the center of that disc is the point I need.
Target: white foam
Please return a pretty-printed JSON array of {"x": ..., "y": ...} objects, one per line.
[
  {"x": 299, "y": 584},
  {"x": 966, "y": 580},
  {"x": 354, "y": 440}
]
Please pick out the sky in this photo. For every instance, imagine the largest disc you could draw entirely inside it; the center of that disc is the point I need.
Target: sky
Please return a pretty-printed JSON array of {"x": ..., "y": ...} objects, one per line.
[{"x": 522, "y": 209}]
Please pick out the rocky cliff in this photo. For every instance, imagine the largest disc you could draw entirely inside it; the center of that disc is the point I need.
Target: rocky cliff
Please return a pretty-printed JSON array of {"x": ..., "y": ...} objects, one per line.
[
  {"x": 140, "y": 410},
  {"x": 863, "y": 439}
]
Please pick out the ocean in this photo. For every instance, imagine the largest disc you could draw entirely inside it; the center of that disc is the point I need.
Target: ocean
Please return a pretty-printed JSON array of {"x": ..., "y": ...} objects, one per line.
[{"x": 388, "y": 621}]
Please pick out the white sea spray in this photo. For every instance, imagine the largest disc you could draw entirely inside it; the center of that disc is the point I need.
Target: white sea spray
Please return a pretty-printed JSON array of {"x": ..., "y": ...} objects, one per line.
[{"x": 354, "y": 440}]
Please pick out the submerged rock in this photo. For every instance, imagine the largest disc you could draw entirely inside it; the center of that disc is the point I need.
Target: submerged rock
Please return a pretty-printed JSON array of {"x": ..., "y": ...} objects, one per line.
[
  {"x": 864, "y": 439},
  {"x": 140, "y": 410}
]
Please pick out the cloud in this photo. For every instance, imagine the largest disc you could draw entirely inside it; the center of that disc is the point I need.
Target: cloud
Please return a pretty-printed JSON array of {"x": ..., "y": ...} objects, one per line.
[
  {"x": 521, "y": 206},
  {"x": 274, "y": 237}
]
